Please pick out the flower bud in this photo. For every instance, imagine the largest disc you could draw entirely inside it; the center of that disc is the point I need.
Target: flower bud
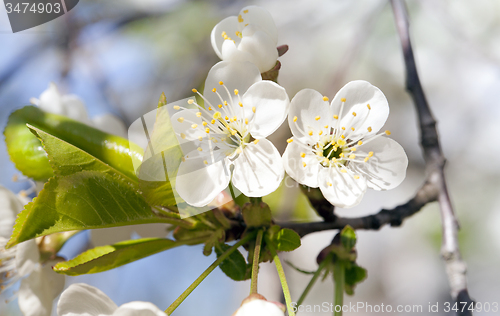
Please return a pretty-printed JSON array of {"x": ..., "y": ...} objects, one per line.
[{"x": 256, "y": 304}]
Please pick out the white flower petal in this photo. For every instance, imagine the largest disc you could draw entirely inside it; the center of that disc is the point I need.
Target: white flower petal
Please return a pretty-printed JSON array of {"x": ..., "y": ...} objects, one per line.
[
  {"x": 261, "y": 17},
  {"x": 387, "y": 168},
  {"x": 260, "y": 46},
  {"x": 258, "y": 170},
  {"x": 228, "y": 25},
  {"x": 271, "y": 102},
  {"x": 199, "y": 183},
  {"x": 10, "y": 206},
  {"x": 313, "y": 114},
  {"x": 294, "y": 165},
  {"x": 110, "y": 124},
  {"x": 234, "y": 75},
  {"x": 139, "y": 309},
  {"x": 231, "y": 53},
  {"x": 182, "y": 123},
  {"x": 82, "y": 299},
  {"x": 75, "y": 108},
  {"x": 51, "y": 100},
  {"x": 260, "y": 308},
  {"x": 358, "y": 95},
  {"x": 341, "y": 189},
  {"x": 27, "y": 257},
  {"x": 38, "y": 291}
]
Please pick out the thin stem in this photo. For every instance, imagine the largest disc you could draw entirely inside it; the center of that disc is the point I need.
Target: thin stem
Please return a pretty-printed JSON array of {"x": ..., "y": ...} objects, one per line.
[
  {"x": 339, "y": 280},
  {"x": 255, "y": 265},
  {"x": 281, "y": 274},
  {"x": 202, "y": 277},
  {"x": 315, "y": 277}
]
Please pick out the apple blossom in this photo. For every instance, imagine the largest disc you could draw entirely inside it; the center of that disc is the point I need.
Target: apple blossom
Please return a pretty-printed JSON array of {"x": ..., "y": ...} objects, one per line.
[
  {"x": 240, "y": 111},
  {"x": 251, "y": 36},
  {"x": 257, "y": 304},
  {"x": 70, "y": 105},
  {"x": 336, "y": 146},
  {"x": 85, "y": 300}
]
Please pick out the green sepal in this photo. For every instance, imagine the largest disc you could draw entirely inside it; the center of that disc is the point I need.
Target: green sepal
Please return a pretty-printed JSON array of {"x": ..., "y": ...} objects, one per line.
[
  {"x": 354, "y": 274},
  {"x": 257, "y": 215},
  {"x": 105, "y": 258}
]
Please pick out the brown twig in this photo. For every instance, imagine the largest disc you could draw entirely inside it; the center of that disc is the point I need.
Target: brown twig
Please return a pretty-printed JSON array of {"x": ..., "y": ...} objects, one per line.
[{"x": 435, "y": 161}]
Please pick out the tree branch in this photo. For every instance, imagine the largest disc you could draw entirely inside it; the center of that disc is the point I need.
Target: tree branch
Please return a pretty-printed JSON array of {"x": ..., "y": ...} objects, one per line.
[{"x": 435, "y": 161}]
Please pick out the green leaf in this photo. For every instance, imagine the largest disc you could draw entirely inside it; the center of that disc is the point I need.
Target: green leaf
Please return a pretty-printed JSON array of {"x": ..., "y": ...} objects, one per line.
[
  {"x": 235, "y": 265},
  {"x": 353, "y": 275},
  {"x": 109, "y": 257},
  {"x": 26, "y": 152},
  {"x": 348, "y": 237},
  {"x": 161, "y": 160},
  {"x": 84, "y": 200},
  {"x": 286, "y": 240},
  {"x": 67, "y": 159}
]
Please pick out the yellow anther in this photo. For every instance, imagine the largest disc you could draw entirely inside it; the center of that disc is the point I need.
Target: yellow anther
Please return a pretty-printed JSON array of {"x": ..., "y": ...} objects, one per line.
[
  {"x": 325, "y": 98},
  {"x": 319, "y": 153},
  {"x": 200, "y": 138},
  {"x": 341, "y": 155},
  {"x": 317, "y": 118},
  {"x": 236, "y": 91},
  {"x": 343, "y": 128},
  {"x": 235, "y": 118},
  {"x": 220, "y": 106},
  {"x": 304, "y": 164},
  {"x": 245, "y": 11},
  {"x": 194, "y": 125},
  {"x": 198, "y": 114},
  {"x": 360, "y": 143},
  {"x": 354, "y": 114},
  {"x": 199, "y": 149},
  {"x": 369, "y": 128},
  {"x": 180, "y": 119},
  {"x": 214, "y": 90},
  {"x": 353, "y": 149},
  {"x": 204, "y": 123},
  {"x": 205, "y": 162},
  {"x": 326, "y": 161},
  {"x": 336, "y": 117},
  {"x": 217, "y": 115},
  {"x": 289, "y": 140},
  {"x": 326, "y": 126},
  {"x": 176, "y": 107},
  {"x": 329, "y": 184},
  {"x": 310, "y": 133},
  {"x": 226, "y": 37},
  {"x": 246, "y": 121},
  {"x": 295, "y": 119},
  {"x": 343, "y": 137},
  {"x": 225, "y": 103},
  {"x": 221, "y": 83},
  {"x": 254, "y": 109},
  {"x": 341, "y": 142},
  {"x": 194, "y": 90},
  {"x": 343, "y": 171},
  {"x": 320, "y": 133},
  {"x": 388, "y": 132},
  {"x": 352, "y": 129},
  {"x": 240, "y": 104},
  {"x": 342, "y": 100},
  {"x": 366, "y": 159},
  {"x": 356, "y": 177},
  {"x": 207, "y": 130},
  {"x": 210, "y": 108},
  {"x": 303, "y": 155},
  {"x": 370, "y": 154},
  {"x": 233, "y": 132},
  {"x": 240, "y": 18},
  {"x": 212, "y": 121},
  {"x": 239, "y": 150},
  {"x": 183, "y": 136},
  {"x": 256, "y": 141},
  {"x": 223, "y": 33},
  {"x": 334, "y": 159},
  {"x": 183, "y": 159},
  {"x": 238, "y": 33},
  {"x": 368, "y": 106},
  {"x": 335, "y": 148},
  {"x": 352, "y": 156},
  {"x": 226, "y": 118}
]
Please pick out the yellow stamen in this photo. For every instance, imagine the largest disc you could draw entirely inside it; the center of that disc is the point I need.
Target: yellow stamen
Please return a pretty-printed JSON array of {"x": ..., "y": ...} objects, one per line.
[
  {"x": 212, "y": 121},
  {"x": 303, "y": 155},
  {"x": 199, "y": 149},
  {"x": 194, "y": 125},
  {"x": 352, "y": 156},
  {"x": 217, "y": 115},
  {"x": 225, "y": 103},
  {"x": 295, "y": 119},
  {"x": 183, "y": 135},
  {"x": 226, "y": 118},
  {"x": 207, "y": 130},
  {"x": 343, "y": 128},
  {"x": 387, "y": 132},
  {"x": 254, "y": 109},
  {"x": 370, "y": 154},
  {"x": 310, "y": 133},
  {"x": 240, "y": 18},
  {"x": 343, "y": 171},
  {"x": 180, "y": 119},
  {"x": 341, "y": 155},
  {"x": 245, "y": 11},
  {"x": 352, "y": 128},
  {"x": 210, "y": 108},
  {"x": 356, "y": 177},
  {"x": 220, "y": 106},
  {"x": 221, "y": 83},
  {"x": 240, "y": 104},
  {"x": 325, "y": 98},
  {"x": 289, "y": 140},
  {"x": 317, "y": 118},
  {"x": 329, "y": 184},
  {"x": 204, "y": 123},
  {"x": 366, "y": 159},
  {"x": 214, "y": 90},
  {"x": 246, "y": 121},
  {"x": 205, "y": 162},
  {"x": 176, "y": 107},
  {"x": 256, "y": 141},
  {"x": 326, "y": 126},
  {"x": 198, "y": 114},
  {"x": 320, "y": 132},
  {"x": 368, "y": 106},
  {"x": 236, "y": 91},
  {"x": 369, "y": 128},
  {"x": 354, "y": 114},
  {"x": 304, "y": 164},
  {"x": 360, "y": 143},
  {"x": 343, "y": 137},
  {"x": 336, "y": 117},
  {"x": 342, "y": 100},
  {"x": 353, "y": 149}
]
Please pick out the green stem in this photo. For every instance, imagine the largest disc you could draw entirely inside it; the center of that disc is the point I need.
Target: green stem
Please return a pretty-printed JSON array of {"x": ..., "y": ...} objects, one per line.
[
  {"x": 202, "y": 277},
  {"x": 281, "y": 273},
  {"x": 315, "y": 277},
  {"x": 255, "y": 265},
  {"x": 339, "y": 279}
]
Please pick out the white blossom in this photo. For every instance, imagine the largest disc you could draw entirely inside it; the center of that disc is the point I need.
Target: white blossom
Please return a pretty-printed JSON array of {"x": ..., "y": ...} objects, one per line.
[
  {"x": 251, "y": 36},
  {"x": 39, "y": 284},
  {"x": 229, "y": 135},
  {"x": 70, "y": 105},
  {"x": 85, "y": 300},
  {"x": 336, "y": 146},
  {"x": 257, "y": 305}
]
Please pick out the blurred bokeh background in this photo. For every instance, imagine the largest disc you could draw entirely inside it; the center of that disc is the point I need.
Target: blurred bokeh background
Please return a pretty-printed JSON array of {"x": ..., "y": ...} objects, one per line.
[{"x": 118, "y": 56}]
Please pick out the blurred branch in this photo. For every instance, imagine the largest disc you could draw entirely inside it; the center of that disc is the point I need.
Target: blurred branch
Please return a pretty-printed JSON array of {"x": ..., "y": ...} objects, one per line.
[
  {"x": 393, "y": 217},
  {"x": 435, "y": 161}
]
